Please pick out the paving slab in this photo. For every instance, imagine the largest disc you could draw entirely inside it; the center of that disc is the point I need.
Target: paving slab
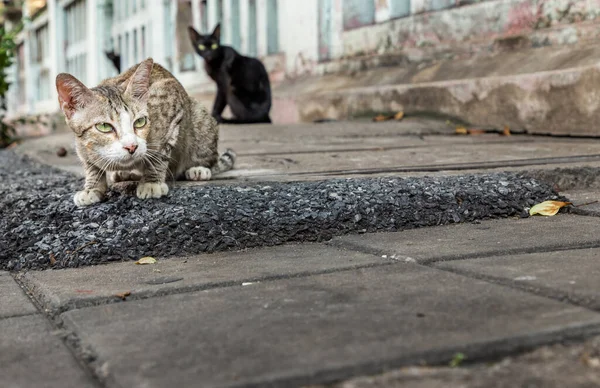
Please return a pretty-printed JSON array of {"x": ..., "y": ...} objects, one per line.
[
  {"x": 32, "y": 355},
  {"x": 304, "y": 151},
  {"x": 310, "y": 330},
  {"x": 440, "y": 154},
  {"x": 75, "y": 288},
  {"x": 567, "y": 275},
  {"x": 14, "y": 301},
  {"x": 489, "y": 238},
  {"x": 556, "y": 366}
]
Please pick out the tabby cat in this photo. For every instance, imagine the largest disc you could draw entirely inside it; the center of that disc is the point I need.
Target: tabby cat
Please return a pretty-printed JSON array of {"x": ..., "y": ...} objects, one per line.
[
  {"x": 242, "y": 82},
  {"x": 140, "y": 125}
]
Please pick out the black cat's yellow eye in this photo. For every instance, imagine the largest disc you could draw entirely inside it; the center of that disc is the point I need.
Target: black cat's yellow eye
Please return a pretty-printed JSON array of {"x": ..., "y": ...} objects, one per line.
[
  {"x": 214, "y": 46},
  {"x": 201, "y": 47},
  {"x": 104, "y": 127},
  {"x": 139, "y": 123}
]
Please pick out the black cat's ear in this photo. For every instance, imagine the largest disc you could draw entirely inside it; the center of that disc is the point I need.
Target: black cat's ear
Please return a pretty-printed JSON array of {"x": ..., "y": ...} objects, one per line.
[
  {"x": 72, "y": 94},
  {"x": 194, "y": 35},
  {"x": 139, "y": 83},
  {"x": 216, "y": 34}
]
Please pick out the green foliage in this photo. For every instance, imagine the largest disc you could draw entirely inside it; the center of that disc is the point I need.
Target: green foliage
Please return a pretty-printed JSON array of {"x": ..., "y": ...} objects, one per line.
[{"x": 7, "y": 52}]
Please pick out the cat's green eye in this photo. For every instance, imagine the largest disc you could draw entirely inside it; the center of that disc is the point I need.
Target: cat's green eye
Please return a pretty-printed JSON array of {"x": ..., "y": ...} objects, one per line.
[
  {"x": 139, "y": 123},
  {"x": 201, "y": 47},
  {"x": 104, "y": 127},
  {"x": 214, "y": 46}
]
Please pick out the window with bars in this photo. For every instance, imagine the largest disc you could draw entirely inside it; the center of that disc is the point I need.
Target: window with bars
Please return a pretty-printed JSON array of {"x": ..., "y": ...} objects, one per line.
[
  {"x": 40, "y": 62},
  {"x": 21, "y": 92},
  {"x": 235, "y": 39},
  {"x": 204, "y": 17},
  {"x": 358, "y": 13},
  {"x": 272, "y": 27},
  {"x": 76, "y": 39},
  {"x": 252, "y": 33},
  {"x": 185, "y": 54}
]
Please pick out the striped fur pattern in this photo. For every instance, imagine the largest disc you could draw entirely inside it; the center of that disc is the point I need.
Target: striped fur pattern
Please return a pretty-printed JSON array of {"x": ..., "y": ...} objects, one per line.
[{"x": 141, "y": 125}]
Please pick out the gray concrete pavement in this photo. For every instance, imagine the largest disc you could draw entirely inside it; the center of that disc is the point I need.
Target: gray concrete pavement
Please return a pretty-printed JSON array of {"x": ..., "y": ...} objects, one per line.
[
  {"x": 556, "y": 366},
  {"x": 565, "y": 275},
  {"x": 299, "y": 331},
  {"x": 32, "y": 350},
  {"x": 493, "y": 238},
  {"x": 307, "y": 314},
  {"x": 14, "y": 301},
  {"x": 318, "y": 313},
  {"x": 32, "y": 354},
  {"x": 65, "y": 290},
  {"x": 413, "y": 147}
]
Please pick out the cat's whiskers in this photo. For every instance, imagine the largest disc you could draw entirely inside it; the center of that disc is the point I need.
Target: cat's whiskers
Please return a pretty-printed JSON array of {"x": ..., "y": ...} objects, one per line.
[
  {"x": 105, "y": 163},
  {"x": 155, "y": 159}
]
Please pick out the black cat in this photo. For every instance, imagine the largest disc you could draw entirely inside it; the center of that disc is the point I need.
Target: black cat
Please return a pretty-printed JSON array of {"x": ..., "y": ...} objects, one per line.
[
  {"x": 242, "y": 82},
  {"x": 115, "y": 59}
]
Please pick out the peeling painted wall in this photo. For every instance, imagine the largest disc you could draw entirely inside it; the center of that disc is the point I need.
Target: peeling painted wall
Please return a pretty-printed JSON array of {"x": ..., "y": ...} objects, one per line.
[
  {"x": 360, "y": 13},
  {"x": 444, "y": 24}
]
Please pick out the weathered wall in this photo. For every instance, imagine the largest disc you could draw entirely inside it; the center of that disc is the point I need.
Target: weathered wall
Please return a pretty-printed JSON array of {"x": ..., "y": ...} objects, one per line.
[{"x": 479, "y": 22}]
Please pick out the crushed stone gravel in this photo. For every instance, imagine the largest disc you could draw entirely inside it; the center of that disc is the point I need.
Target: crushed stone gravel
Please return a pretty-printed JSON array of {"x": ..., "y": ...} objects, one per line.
[{"x": 40, "y": 227}]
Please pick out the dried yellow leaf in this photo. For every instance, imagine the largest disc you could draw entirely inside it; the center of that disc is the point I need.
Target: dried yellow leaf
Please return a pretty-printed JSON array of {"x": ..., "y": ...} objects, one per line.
[
  {"x": 399, "y": 116},
  {"x": 548, "y": 208},
  {"x": 146, "y": 260},
  {"x": 506, "y": 131},
  {"x": 380, "y": 118},
  {"x": 461, "y": 131},
  {"x": 123, "y": 295},
  {"x": 476, "y": 131}
]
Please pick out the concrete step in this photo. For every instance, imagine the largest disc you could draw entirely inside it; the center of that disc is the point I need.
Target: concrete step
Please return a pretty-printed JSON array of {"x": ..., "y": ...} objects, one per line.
[
  {"x": 542, "y": 91},
  {"x": 545, "y": 90}
]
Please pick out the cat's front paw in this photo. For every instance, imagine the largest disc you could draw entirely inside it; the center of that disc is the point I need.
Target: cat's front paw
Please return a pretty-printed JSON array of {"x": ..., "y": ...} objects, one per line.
[
  {"x": 198, "y": 174},
  {"x": 87, "y": 197},
  {"x": 152, "y": 190}
]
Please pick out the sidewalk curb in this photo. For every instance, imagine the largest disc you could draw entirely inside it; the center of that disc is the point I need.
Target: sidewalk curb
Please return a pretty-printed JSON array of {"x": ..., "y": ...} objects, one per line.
[{"x": 40, "y": 223}]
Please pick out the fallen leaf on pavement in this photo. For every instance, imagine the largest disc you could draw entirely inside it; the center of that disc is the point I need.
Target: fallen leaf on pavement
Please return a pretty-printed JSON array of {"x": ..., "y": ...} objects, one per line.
[
  {"x": 399, "y": 116},
  {"x": 123, "y": 295},
  {"x": 146, "y": 260},
  {"x": 592, "y": 362},
  {"x": 477, "y": 131},
  {"x": 457, "y": 360},
  {"x": 461, "y": 131},
  {"x": 506, "y": 131},
  {"x": 380, "y": 118},
  {"x": 548, "y": 208}
]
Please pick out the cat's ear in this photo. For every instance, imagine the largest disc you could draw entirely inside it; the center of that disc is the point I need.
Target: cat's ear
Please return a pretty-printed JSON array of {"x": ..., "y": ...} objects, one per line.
[
  {"x": 195, "y": 37},
  {"x": 216, "y": 34},
  {"x": 139, "y": 83},
  {"x": 72, "y": 94}
]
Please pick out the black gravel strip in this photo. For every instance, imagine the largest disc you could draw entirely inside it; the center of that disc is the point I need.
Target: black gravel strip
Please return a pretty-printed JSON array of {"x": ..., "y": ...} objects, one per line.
[{"x": 40, "y": 227}]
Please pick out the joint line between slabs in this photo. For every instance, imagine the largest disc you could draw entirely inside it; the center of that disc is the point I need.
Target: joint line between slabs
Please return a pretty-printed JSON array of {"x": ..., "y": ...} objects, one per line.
[{"x": 58, "y": 326}]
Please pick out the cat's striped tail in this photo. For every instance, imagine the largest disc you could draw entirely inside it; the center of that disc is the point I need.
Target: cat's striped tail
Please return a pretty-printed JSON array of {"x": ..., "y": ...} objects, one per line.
[{"x": 225, "y": 162}]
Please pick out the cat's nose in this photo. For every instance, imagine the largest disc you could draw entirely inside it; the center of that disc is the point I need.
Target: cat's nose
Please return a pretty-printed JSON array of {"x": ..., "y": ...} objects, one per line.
[{"x": 131, "y": 148}]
